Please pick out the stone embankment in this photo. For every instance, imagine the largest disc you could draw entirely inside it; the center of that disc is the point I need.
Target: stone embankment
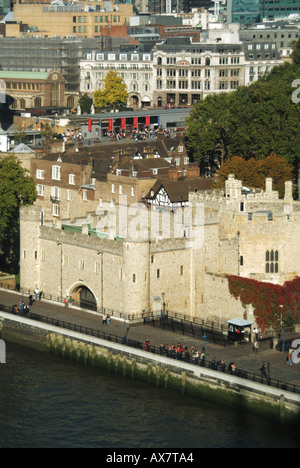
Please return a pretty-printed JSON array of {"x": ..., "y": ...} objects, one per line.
[{"x": 154, "y": 369}]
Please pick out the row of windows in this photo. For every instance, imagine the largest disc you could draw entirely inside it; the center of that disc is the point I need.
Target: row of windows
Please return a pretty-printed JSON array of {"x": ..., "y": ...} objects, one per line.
[
  {"x": 158, "y": 274},
  {"x": 198, "y": 61},
  {"x": 100, "y": 19},
  {"x": 56, "y": 193},
  {"x": 113, "y": 189},
  {"x": 23, "y": 86},
  {"x": 56, "y": 175},
  {"x": 271, "y": 261}
]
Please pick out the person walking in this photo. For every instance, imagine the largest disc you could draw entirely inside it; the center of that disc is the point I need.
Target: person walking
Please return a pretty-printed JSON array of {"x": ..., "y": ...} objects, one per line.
[
  {"x": 263, "y": 371},
  {"x": 255, "y": 346}
]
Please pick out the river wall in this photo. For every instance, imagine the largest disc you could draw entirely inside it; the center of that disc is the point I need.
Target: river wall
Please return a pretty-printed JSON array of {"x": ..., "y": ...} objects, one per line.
[{"x": 234, "y": 392}]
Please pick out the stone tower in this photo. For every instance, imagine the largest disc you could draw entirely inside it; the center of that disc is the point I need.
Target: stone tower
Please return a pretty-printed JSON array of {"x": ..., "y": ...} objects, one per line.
[
  {"x": 30, "y": 222},
  {"x": 136, "y": 273}
]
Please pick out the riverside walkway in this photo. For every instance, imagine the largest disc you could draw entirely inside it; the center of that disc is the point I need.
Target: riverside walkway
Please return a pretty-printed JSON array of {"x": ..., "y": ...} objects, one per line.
[{"x": 242, "y": 355}]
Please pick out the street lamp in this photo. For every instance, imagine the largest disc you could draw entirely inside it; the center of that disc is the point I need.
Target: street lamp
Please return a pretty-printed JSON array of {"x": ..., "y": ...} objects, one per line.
[
  {"x": 282, "y": 325},
  {"x": 125, "y": 337},
  {"x": 164, "y": 305},
  {"x": 204, "y": 337}
]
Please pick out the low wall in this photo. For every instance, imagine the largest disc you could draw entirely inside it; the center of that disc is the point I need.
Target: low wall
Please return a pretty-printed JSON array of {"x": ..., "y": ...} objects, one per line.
[{"x": 223, "y": 389}]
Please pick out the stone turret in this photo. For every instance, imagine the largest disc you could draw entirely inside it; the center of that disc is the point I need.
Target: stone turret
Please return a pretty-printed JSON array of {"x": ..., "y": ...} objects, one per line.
[
  {"x": 136, "y": 276},
  {"x": 30, "y": 223},
  {"x": 233, "y": 187}
]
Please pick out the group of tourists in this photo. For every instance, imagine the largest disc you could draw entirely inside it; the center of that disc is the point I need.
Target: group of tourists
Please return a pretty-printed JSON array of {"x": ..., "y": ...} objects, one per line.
[{"x": 194, "y": 356}]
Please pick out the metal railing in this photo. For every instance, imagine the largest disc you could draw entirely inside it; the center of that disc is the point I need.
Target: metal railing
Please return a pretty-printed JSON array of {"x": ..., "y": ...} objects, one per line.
[{"x": 218, "y": 367}]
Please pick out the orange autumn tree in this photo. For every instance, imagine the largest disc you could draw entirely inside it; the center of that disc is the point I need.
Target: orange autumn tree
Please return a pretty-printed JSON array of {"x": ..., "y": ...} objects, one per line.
[
  {"x": 253, "y": 172},
  {"x": 271, "y": 302}
]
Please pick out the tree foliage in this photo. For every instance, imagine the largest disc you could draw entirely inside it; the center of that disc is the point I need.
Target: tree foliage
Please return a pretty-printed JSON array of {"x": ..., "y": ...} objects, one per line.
[
  {"x": 271, "y": 303},
  {"x": 85, "y": 103},
  {"x": 114, "y": 93},
  {"x": 296, "y": 52},
  {"x": 253, "y": 173},
  {"x": 251, "y": 122},
  {"x": 16, "y": 189}
]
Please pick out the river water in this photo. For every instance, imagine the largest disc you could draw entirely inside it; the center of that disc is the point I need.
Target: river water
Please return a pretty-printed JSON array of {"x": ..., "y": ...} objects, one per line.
[{"x": 48, "y": 402}]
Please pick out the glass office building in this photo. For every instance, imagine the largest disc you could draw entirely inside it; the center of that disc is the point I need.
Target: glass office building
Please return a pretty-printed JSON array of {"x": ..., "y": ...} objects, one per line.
[
  {"x": 254, "y": 11},
  {"x": 5, "y": 7}
]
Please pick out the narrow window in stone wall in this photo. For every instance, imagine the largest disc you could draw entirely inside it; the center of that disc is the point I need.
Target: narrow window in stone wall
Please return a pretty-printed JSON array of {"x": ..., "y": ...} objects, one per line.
[
  {"x": 272, "y": 261},
  {"x": 133, "y": 277},
  {"x": 158, "y": 273},
  {"x": 181, "y": 270}
]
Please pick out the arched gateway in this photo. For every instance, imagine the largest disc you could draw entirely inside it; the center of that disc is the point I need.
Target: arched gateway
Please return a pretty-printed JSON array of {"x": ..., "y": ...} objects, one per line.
[{"x": 83, "y": 297}]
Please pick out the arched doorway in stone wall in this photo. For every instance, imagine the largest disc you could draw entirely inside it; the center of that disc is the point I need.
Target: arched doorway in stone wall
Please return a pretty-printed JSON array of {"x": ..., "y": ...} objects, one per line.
[{"x": 82, "y": 296}]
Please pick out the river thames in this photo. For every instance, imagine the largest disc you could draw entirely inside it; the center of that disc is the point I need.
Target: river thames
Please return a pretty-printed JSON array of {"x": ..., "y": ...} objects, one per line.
[{"x": 48, "y": 402}]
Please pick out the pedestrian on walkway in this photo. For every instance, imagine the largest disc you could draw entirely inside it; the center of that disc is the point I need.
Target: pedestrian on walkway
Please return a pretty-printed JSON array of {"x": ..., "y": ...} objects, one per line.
[
  {"x": 263, "y": 370},
  {"x": 255, "y": 346},
  {"x": 104, "y": 319},
  {"x": 147, "y": 345},
  {"x": 289, "y": 359},
  {"x": 36, "y": 292}
]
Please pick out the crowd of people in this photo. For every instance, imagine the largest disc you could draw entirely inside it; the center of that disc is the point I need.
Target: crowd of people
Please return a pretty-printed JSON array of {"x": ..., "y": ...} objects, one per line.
[{"x": 194, "y": 355}]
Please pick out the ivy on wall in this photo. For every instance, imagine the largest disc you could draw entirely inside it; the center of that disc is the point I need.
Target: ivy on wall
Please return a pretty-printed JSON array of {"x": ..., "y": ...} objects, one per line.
[{"x": 271, "y": 302}]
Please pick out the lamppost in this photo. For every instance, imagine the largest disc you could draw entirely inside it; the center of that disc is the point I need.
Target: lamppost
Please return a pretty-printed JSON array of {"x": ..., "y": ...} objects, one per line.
[
  {"x": 238, "y": 234},
  {"x": 164, "y": 305},
  {"x": 125, "y": 337},
  {"x": 282, "y": 325},
  {"x": 204, "y": 337}
]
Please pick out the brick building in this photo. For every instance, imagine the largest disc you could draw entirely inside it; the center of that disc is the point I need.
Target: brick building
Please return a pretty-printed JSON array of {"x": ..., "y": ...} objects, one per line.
[{"x": 34, "y": 89}]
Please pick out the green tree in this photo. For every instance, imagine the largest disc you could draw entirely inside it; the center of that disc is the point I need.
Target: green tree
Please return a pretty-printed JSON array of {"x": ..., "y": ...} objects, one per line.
[
  {"x": 251, "y": 122},
  {"x": 114, "y": 93},
  {"x": 85, "y": 103},
  {"x": 208, "y": 128},
  {"x": 16, "y": 189},
  {"x": 20, "y": 135},
  {"x": 296, "y": 52}
]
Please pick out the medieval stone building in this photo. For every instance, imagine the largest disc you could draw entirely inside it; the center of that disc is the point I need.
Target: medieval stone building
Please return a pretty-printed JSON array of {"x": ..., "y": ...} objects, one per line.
[{"x": 127, "y": 259}]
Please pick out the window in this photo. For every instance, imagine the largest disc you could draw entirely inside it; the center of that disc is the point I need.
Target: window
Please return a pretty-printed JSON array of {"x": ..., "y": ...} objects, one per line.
[
  {"x": 56, "y": 172},
  {"x": 84, "y": 195},
  {"x": 272, "y": 261},
  {"x": 55, "y": 194},
  {"x": 97, "y": 268},
  {"x": 40, "y": 174},
  {"x": 71, "y": 179},
  {"x": 81, "y": 264},
  {"x": 40, "y": 190},
  {"x": 113, "y": 188},
  {"x": 120, "y": 189},
  {"x": 55, "y": 209},
  {"x": 158, "y": 273},
  {"x": 69, "y": 195},
  {"x": 133, "y": 277},
  {"x": 133, "y": 191}
]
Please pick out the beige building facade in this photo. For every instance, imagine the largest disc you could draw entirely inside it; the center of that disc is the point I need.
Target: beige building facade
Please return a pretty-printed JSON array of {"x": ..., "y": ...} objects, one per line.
[
  {"x": 80, "y": 20},
  {"x": 186, "y": 254}
]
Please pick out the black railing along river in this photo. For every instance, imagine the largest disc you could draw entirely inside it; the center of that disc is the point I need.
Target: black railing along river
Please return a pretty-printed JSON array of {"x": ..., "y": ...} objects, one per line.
[{"x": 156, "y": 350}]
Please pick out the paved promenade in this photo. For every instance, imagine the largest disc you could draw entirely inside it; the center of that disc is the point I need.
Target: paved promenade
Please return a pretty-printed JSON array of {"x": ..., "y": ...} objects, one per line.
[{"x": 242, "y": 355}]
